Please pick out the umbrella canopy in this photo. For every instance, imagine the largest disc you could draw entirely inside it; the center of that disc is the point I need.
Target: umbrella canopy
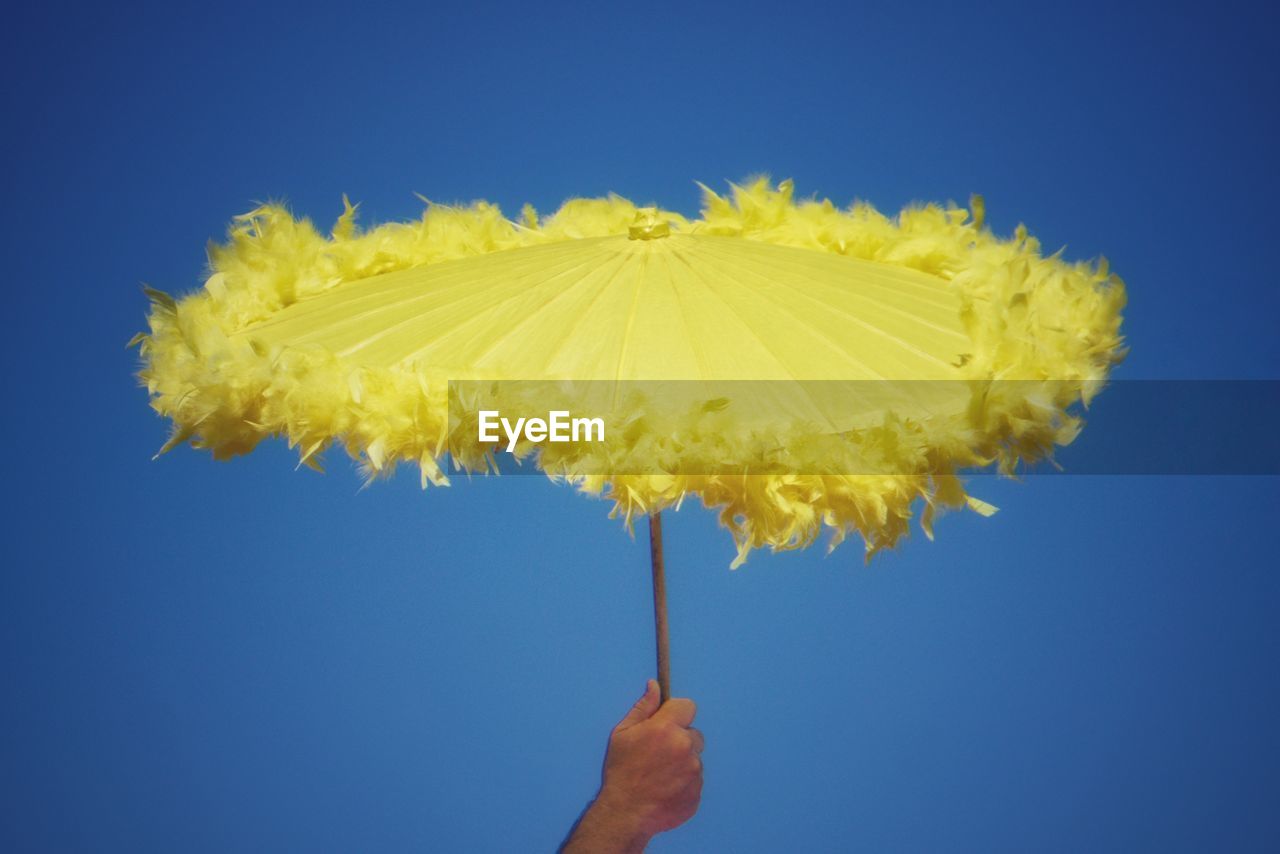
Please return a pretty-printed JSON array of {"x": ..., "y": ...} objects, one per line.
[{"x": 965, "y": 349}]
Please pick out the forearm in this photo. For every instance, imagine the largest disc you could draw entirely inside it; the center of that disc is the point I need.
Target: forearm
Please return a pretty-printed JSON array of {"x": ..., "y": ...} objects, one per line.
[{"x": 606, "y": 829}]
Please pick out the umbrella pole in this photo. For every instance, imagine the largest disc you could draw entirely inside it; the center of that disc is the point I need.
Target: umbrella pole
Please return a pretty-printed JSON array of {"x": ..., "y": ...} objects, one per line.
[{"x": 660, "y": 605}]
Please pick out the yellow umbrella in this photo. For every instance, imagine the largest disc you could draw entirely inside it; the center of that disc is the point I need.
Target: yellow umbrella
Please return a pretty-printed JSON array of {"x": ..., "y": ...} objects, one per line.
[{"x": 795, "y": 365}]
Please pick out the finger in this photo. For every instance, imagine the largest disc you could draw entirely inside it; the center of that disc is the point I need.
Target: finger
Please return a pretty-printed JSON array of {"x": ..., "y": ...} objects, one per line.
[
  {"x": 698, "y": 741},
  {"x": 692, "y": 792},
  {"x": 644, "y": 707},
  {"x": 679, "y": 710}
]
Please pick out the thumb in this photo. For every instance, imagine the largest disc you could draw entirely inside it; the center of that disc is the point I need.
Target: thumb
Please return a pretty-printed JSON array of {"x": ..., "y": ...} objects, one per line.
[{"x": 644, "y": 707}]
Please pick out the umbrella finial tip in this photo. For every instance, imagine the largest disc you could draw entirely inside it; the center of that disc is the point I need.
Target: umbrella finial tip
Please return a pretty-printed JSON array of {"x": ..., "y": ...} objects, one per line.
[{"x": 648, "y": 225}]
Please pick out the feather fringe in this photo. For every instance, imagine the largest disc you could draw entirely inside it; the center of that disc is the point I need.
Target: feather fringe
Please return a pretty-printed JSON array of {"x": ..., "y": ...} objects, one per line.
[{"x": 1031, "y": 318}]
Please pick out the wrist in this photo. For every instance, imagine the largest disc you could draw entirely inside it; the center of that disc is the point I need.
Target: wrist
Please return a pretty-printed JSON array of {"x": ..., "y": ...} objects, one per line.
[{"x": 625, "y": 822}]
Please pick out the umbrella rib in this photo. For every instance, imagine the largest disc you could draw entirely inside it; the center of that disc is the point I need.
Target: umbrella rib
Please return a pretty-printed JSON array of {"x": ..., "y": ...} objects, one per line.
[
  {"x": 805, "y": 388},
  {"x": 452, "y": 279},
  {"x": 684, "y": 321},
  {"x": 626, "y": 331},
  {"x": 884, "y": 303},
  {"x": 912, "y": 391},
  {"x": 810, "y": 258},
  {"x": 751, "y": 330},
  {"x": 480, "y": 296},
  {"x": 552, "y": 299},
  {"x": 480, "y": 317},
  {"x": 876, "y": 374},
  {"x": 906, "y": 345},
  {"x": 573, "y": 328},
  {"x": 483, "y": 296},
  {"x": 368, "y": 288}
]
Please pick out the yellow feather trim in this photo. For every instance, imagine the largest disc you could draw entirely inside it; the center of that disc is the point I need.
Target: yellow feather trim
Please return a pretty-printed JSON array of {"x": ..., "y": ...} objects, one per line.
[{"x": 1029, "y": 317}]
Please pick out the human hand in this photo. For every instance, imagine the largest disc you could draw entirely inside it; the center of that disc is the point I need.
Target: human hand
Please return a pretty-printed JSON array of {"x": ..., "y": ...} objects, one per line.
[{"x": 652, "y": 777}]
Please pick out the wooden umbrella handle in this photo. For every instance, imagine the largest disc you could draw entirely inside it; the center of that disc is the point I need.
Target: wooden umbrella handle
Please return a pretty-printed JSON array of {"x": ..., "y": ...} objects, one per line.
[{"x": 660, "y": 605}]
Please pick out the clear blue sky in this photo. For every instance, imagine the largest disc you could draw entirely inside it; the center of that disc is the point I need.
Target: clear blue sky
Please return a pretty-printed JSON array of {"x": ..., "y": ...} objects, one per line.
[{"x": 244, "y": 657}]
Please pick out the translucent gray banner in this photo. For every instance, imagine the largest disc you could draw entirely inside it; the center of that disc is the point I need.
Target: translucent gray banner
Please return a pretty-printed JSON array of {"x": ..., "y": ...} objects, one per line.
[{"x": 693, "y": 428}]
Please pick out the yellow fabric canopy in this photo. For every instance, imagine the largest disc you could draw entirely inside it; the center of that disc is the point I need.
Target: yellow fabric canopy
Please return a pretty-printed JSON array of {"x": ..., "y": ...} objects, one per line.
[{"x": 976, "y": 347}]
